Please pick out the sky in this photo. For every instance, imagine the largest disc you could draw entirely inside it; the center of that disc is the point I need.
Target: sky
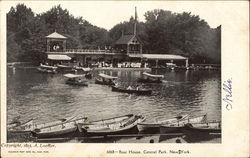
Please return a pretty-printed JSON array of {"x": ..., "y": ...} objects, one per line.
[{"x": 107, "y": 14}]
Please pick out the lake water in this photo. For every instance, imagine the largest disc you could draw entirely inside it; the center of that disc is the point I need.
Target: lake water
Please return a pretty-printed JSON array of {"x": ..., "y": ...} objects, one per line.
[{"x": 46, "y": 97}]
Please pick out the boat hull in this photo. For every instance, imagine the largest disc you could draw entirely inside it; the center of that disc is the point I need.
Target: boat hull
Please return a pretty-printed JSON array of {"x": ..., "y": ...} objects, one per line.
[
  {"x": 155, "y": 127},
  {"x": 179, "y": 126},
  {"x": 169, "y": 129},
  {"x": 139, "y": 92},
  {"x": 126, "y": 126},
  {"x": 148, "y": 128},
  {"x": 69, "y": 132},
  {"x": 205, "y": 128},
  {"x": 50, "y": 71}
]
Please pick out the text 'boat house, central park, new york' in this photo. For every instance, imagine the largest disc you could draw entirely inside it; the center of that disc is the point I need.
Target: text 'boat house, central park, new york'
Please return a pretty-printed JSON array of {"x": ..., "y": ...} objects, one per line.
[{"x": 128, "y": 48}]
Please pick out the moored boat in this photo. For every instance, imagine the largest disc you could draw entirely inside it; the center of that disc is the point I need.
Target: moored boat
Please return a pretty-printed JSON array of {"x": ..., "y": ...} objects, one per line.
[
  {"x": 65, "y": 68},
  {"x": 112, "y": 119},
  {"x": 179, "y": 125},
  {"x": 30, "y": 125},
  {"x": 76, "y": 80},
  {"x": 124, "y": 126},
  {"x": 205, "y": 128},
  {"x": 105, "y": 79},
  {"x": 65, "y": 129},
  {"x": 150, "y": 78},
  {"x": 154, "y": 127},
  {"x": 47, "y": 69},
  {"x": 132, "y": 91}
]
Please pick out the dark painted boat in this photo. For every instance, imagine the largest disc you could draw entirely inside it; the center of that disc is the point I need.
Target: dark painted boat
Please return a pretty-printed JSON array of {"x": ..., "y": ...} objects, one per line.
[
  {"x": 105, "y": 79},
  {"x": 125, "y": 126},
  {"x": 178, "y": 126},
  {"x": 205, "y": 128},
  {"x": 76, "y": 80},
  {"x": 150, "y": 78},
  {"x": 65, "y": 68},
  {"x": 154, "y": 127},
  {"x": 132, "y": 91}
]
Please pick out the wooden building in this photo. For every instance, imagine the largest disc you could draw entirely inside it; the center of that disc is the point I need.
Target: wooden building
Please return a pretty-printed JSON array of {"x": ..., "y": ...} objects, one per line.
[{"x": 127, "y": 48}]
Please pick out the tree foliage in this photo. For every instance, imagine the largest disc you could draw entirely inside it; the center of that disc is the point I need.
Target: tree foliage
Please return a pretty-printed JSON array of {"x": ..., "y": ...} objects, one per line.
[{"x": 163, "y": 32}]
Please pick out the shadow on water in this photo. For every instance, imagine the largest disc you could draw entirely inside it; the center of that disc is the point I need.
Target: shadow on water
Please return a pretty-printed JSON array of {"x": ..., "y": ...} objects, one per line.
[{"x": 200, "y": 137}]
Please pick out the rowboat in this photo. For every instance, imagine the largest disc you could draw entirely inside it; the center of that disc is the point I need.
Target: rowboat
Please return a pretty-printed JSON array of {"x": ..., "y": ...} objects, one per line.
[
  {"x": 203, "y": 128},
  {"x": 69, "y": 128},
  {"x": 179, "y": 125},
  {"x": 84, "y": 69},
  {"x": 105, "y": 79},
  {"x": 150, "y": 78},
  {"x": 47, "y": 69},
  {"x": 23, "y": 127},
  {"x": 65, "y": 68},
  {"x": 48, "y": 66},
  {"x": 132, "y": 91},
  {"x": 65, "y": 129},
  {"x": 124, "y": 126},
  {"x": 112, "y": 119},
  {"x": 30, "y": 125},
  {"x": 76, "y": 80},
  {"x": 154, "y": 127}
]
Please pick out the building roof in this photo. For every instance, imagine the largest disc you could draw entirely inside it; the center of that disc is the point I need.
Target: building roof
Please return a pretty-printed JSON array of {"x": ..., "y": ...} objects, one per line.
[
  {"x": 159, "y": 56},
  {"x": 124, "y": 39},
  {"x": 56, "y": 35},
  {"x": 58, "y": 57}
]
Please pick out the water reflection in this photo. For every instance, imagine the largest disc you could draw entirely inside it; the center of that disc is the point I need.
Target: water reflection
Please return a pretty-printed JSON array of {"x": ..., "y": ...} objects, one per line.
[{"x": 45, "y": 97}]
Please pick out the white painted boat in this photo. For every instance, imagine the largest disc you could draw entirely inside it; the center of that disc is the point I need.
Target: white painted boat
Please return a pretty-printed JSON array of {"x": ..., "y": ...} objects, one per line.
[
  {"x": 155, "y": 126},
  {"x": 118, "y": 127},
  {"x": 63, "y": 129},
  {"x": 178, "y": 126}
]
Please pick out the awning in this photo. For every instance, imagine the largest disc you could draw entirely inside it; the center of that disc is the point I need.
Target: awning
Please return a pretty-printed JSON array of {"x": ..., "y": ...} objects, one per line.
[
  {"x": 58, "y": 57},
  {"x": 164, "y": 56},
  {"x": 158, "y": 56}
]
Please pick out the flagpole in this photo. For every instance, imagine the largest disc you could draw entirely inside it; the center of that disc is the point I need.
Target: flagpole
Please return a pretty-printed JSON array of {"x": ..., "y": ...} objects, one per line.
[{"x": 135, "y": 21}]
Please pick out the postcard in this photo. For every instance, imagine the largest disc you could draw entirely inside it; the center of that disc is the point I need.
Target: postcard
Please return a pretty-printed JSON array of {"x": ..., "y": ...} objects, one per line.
[{"x": 124, "y": 79}]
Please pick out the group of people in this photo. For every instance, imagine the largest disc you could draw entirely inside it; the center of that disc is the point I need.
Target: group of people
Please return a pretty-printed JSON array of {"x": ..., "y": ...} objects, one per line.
[{"x": 138, "y": 87}]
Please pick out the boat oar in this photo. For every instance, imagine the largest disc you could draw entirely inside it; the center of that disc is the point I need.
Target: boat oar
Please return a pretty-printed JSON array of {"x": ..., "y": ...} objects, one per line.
[{"x": 79, "y": 127}]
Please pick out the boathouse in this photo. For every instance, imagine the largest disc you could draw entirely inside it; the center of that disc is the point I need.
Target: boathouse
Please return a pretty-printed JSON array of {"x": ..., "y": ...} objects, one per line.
[{"x": 128, "y": 48}]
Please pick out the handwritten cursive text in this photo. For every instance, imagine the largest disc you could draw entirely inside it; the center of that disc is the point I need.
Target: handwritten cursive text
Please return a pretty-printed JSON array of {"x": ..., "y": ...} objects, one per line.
[{"x": 228, "y": 99}]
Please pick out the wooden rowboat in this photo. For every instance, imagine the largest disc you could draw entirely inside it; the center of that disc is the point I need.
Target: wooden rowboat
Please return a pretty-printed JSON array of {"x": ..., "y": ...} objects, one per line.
[
  {"x": 66, "y": 129},
  {"x": 51, "y": 71},
  {"x": 205, "y": 128},
  {"x": 154, "y": 127},
  {"x": 178, "y": 126},
  {"x": 76, "y": 80},
  {"x": 119, "y": 127},
  {"x": 150, "y": 78},
  {"x": 69, "y": 128},
  {"x": 112, "y": 119},
  {"x": 105, "y": 79},
  {"x": 29, "y": 125},
  {"x": 132, "y": 91}
]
